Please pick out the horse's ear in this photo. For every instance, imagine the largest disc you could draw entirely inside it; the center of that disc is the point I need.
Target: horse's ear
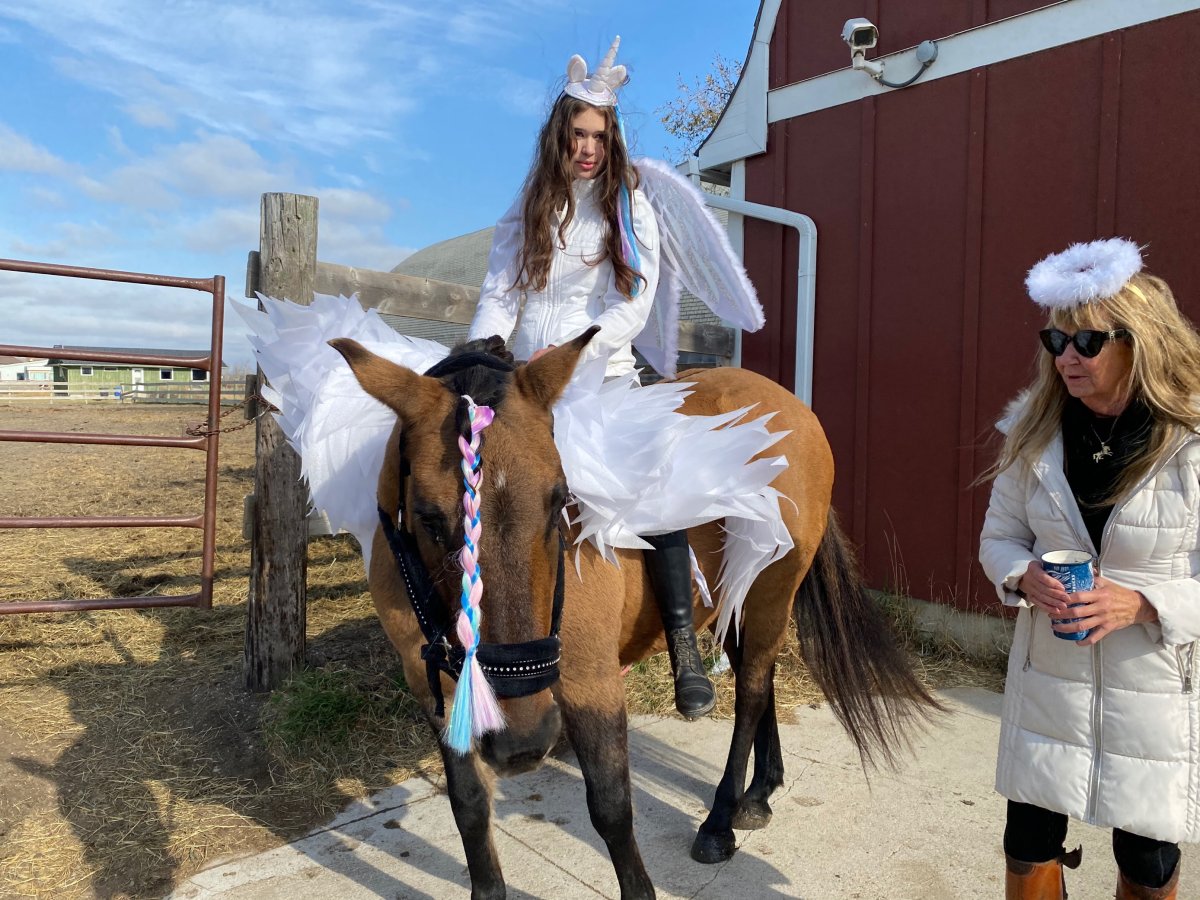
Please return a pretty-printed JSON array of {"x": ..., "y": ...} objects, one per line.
[
  {"x": 408, "y": 393},
  {"x": 543, "y": 379}
]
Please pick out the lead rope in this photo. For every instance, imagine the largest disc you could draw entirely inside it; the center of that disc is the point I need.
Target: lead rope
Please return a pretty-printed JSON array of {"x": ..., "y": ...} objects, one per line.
[{"x": 475, "y": 710}]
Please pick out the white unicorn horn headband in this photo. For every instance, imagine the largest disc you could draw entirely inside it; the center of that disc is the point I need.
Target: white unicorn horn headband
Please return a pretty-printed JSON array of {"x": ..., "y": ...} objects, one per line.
[
  {"x": 1083, "y": 273},
  {"x": 600, "y": 87}
]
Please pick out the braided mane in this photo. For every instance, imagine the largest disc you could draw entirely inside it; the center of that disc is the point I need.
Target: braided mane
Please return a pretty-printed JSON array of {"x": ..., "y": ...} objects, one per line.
[{"x": 478, "y": 373}]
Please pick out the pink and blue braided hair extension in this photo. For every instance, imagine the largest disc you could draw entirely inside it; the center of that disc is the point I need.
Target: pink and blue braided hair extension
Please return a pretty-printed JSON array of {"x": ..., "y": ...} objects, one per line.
[
  {"x": 629, "y": 248},
  {"x": 475, "y": 710}
]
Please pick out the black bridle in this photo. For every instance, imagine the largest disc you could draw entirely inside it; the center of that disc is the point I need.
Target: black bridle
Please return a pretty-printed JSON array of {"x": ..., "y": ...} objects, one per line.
[{"x": 513, "y": 670}]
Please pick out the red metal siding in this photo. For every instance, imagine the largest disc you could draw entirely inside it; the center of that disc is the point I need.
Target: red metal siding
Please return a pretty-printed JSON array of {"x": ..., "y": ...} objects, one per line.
[
  {"x": 908, "y": 446},
  {"x": 826, "y": 187},
  {"x": 1157, "y": 196},
  {"x": 931, "y": 203}
]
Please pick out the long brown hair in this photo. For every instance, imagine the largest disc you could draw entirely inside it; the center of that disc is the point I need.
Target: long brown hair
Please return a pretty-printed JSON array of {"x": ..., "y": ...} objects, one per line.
[
  {"x": 548, "y": 190},
  {"x": 1164, "y": 374}
]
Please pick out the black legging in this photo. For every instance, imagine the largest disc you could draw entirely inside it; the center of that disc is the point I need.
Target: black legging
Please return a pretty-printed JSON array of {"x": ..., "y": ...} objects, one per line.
[{"x": 1033, "y": 834}]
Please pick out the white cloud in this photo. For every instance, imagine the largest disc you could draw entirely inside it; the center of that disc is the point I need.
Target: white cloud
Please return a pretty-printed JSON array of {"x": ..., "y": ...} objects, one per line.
[
  {"x": 529, "y": 97},
  {"x": 317, "y": 74},
  {"x": 226, "y": 230},
  {"x": 475, "y": 25},
  {"x": 116, "y": 141},
  {"x": 324, "y": 75},
  {"x": 45, "y": 198},
  {"x": 41, "y": 311},
  {"x": 19, "y": 154},
  {"x": 150, "y": 115},
  {"x": 351, "y": 204},
  {"x": 70, "y": 241},
  {"x": 212, "y": 166},
  {"x": 493, "y": 23},
  {"x": 350, "y": 244}
]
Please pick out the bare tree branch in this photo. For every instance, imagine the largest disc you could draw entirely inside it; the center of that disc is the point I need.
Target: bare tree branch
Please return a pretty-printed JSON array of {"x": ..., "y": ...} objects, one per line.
[{"x": 691, "y": 116}]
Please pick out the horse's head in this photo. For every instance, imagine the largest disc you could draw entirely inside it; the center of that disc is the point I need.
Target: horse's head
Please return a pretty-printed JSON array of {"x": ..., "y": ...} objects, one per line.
[{"x": 520, "y": 502}]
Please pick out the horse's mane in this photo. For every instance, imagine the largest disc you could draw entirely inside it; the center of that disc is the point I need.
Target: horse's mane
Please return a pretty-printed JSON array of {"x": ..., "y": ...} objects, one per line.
[{"x": 481, "y": 369}]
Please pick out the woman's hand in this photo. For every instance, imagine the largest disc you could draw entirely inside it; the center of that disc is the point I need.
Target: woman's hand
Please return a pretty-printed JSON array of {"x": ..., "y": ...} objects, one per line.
[
  {"x": 1108, "y": 607},
  {"x": 1044, "y": 592}
]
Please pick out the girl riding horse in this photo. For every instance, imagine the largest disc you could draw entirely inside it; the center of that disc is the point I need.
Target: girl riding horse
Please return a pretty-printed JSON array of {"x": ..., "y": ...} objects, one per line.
[{"x": 580, "y": 247}]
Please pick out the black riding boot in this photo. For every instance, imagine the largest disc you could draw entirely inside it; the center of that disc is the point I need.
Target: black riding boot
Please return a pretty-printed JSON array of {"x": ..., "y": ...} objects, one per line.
[{"x": 670, "y": 568}]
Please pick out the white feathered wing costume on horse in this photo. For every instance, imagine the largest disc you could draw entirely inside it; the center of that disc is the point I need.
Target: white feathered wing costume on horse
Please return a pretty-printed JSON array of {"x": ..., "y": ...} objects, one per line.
[{"x": 634, "y": 464}]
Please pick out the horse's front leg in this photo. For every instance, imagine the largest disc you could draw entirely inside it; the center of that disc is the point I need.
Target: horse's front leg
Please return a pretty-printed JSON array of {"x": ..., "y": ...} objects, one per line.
[
  {"x": 470, "y": 791},
  {"x": 598, "y": 732}
]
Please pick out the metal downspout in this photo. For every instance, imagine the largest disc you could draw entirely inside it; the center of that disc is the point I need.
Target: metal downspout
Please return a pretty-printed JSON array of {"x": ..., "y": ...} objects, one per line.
[{"x": 806, "y": 273}]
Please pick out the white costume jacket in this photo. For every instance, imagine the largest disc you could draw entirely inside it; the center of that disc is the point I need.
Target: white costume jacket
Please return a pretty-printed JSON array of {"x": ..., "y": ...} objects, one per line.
[
  {"x": 577, "y": 294},
  {"x": 1108, "y": 734}
]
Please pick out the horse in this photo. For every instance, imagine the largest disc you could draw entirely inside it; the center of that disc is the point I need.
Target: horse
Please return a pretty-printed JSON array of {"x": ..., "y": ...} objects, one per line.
[{"x": 606, "y": 613}]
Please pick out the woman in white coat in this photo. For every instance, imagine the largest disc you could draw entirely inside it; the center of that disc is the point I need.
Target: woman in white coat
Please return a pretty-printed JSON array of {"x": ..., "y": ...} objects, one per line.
[
  {"x": 580, "y": 247},
  {"x": 1101, "y": 454}
]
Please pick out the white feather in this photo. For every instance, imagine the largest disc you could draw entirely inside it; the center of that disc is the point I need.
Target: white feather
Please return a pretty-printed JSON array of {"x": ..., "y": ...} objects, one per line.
[
  {"x": 696, "y": 255},
  {"x": 339, "y": 430}
]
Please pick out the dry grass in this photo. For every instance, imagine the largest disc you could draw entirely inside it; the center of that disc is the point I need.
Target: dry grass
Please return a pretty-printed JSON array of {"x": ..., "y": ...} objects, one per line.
[
  {"x": 130, "y": 755},
  {"x": 134, "y": 755}
]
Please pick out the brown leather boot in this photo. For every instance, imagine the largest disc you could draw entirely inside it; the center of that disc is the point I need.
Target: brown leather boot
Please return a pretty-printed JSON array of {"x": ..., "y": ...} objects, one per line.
[
  {"x": 1131, "y": 890},
  {"x": 1039, "y": 881}
]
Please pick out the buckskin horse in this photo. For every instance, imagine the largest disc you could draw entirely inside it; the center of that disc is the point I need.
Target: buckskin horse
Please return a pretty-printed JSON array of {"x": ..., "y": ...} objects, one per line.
[{"x": 604, "y": 615}]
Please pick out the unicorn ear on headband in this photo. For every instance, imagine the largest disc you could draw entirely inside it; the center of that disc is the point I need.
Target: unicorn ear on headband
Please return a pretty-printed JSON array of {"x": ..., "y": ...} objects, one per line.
[{"x": 600, "y": 87}]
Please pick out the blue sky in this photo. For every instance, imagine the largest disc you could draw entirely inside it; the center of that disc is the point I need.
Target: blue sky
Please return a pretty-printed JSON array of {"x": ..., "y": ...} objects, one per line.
[{"x": 139, "y": 134}]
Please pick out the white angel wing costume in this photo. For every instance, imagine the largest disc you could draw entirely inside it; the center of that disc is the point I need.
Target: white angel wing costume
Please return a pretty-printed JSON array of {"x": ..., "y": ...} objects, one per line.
[
  {"x": 696, "y": 255},
  {"x": 634, "y": 464}
]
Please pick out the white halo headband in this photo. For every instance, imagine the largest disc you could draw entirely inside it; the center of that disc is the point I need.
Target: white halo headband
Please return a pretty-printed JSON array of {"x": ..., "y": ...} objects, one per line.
[
  {"x": 1083, "y": 273},
  {"x": 600, "y": 87}
]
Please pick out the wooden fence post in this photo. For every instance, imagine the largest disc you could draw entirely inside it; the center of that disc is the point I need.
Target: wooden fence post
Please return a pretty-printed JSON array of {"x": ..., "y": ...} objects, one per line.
[{"x": 275, "y": 619}]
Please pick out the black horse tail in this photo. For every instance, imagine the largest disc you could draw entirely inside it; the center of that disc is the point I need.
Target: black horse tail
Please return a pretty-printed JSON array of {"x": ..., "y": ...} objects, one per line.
[{"x": 854, "y": 658}]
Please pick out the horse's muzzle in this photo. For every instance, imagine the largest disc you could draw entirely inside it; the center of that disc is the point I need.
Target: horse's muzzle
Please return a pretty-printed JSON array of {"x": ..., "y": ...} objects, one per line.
[{"x": 515, "y": 749}]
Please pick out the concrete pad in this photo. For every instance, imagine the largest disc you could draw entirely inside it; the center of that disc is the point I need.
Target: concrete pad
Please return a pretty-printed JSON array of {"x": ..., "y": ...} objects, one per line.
[{"x": 930, "y": 830}]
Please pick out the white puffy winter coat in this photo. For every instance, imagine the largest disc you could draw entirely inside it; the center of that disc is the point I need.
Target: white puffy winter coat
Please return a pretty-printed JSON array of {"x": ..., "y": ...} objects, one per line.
[{"x": 1108, "y": 734}]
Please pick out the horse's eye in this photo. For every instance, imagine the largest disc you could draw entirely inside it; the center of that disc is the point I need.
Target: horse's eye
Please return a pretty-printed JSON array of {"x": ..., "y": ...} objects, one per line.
[{"x": 434, "y": 522}]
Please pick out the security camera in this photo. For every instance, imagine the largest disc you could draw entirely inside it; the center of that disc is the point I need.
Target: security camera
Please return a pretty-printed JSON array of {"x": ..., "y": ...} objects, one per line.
[{"x": 860, "y": 34}]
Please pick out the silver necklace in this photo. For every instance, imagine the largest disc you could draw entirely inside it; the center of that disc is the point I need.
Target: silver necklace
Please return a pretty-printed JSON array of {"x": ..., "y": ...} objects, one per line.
[{"x": 1105, "y": 450}]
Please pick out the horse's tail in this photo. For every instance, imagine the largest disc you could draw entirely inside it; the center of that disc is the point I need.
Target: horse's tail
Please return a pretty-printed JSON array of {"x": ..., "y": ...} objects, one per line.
[{"x": 850, "y": 650}]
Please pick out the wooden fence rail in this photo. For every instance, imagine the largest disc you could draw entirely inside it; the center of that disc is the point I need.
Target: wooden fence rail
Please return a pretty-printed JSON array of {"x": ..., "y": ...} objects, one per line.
[
  {"x": 64, "y": 392},
  {"x": 414, "y": 297}
]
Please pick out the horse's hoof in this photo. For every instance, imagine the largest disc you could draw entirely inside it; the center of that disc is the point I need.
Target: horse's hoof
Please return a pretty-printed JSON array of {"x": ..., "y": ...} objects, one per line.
[
  {"x": 713, "y": 848},
  {"x": 490, "y": 892},
  {"x": 752, "y": 814}
]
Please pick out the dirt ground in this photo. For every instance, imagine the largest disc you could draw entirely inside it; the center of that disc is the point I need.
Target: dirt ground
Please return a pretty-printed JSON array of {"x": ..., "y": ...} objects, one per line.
[{"x": 130, "y": 754}]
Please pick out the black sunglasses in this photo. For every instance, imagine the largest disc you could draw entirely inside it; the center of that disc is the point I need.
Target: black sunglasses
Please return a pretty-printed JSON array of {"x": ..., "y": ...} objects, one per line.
[{"x": 1089, "y": 343}]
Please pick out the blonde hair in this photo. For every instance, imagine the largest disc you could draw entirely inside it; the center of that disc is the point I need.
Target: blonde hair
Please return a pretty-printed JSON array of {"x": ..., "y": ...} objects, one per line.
[{"x": 1164, "y": 374}]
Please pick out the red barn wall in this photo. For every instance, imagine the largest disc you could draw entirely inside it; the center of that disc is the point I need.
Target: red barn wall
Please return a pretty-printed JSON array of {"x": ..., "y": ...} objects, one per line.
[{"x": 930, "y": 205}]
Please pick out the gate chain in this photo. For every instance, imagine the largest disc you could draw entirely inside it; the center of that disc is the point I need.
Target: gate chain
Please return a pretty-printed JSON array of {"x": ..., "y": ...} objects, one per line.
[{"x": 202, "y": 429}]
